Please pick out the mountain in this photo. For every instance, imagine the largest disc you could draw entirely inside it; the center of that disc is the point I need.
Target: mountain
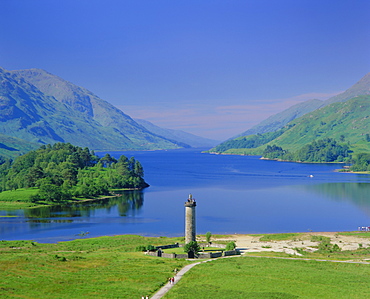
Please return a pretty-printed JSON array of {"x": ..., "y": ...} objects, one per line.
[
  {"x": 11, "y": 147},
  {"x": 362, "y": 87},
  {"x": 41, "y": 108},
  {"x": 349, "y": 121},
  {"x": 178, "y": 136},
  {"x": 343, "y": 121},
  {"x": 279, "y": 120},
  {"x": 344, "y": 116}
]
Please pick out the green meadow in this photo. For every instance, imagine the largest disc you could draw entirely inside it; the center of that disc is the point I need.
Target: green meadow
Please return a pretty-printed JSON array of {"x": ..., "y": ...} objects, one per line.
[
  {"x": 110, "y": 267},
  {"x": 105, "y": 267},
  {"x": 252, "y": 277}
]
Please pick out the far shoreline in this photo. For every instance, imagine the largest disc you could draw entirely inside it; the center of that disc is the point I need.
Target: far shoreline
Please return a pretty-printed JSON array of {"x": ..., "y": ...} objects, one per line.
[{"x": 201, "y": 237}]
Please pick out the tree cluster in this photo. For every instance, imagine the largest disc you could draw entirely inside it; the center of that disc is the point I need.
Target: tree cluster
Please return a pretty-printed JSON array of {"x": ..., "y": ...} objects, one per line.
[
  {"x": 325, "y": 150},
  {"x": 251, "y": 141},
  {"x": 361, "y": 163},
  {"x": 63, "y": 171}
]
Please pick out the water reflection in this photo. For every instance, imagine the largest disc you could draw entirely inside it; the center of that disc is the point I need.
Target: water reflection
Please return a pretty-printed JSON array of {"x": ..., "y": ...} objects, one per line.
[
  {"x": 50, "y": 221},
  {"x": 355, "y": 193},
  {"x": 127, "y": 203}
]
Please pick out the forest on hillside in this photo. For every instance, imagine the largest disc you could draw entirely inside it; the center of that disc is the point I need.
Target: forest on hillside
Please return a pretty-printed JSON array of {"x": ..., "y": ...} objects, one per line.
[
  {"x": 251, "y": 141},
  {"x": 63, "y": 171},
  {"x": 324, "y": 150}
]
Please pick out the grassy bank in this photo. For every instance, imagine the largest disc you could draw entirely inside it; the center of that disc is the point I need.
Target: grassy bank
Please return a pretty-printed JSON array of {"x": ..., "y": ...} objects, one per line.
[{"x": 17, "y": 199}]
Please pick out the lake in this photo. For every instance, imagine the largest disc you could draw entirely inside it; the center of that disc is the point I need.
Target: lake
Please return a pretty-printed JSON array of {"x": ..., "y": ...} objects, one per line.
[{"x": 235, "y": 194}]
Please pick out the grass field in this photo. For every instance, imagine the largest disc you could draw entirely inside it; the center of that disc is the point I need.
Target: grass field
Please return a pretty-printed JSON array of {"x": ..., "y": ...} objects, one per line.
[
  {"x": 357, "y": 234},
  {"x": 106, "y": 267},
  {"x": 110, "y": 267},
  {"x": 248, "y": 277}
]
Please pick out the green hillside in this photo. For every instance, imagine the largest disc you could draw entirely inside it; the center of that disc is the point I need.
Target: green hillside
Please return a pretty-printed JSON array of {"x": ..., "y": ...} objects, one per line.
[
  {"x": 343, "y": 121},
  {"x": 279, "y": 120},
  {"x": 41, "y": 108},
  {"x": 348, "y": 119}
]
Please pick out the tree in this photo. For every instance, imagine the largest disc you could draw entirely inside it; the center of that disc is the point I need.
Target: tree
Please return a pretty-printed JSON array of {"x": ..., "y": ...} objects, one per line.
[
  {"x": 35, "y": 173},
  {"x": 63, "y": 169},
  {"x": 230, "y": 246},
  {"x": 53, "y": 193},
  {"x": 138, "y": 169},
  {"x": 192, "y": 247},
  {"x": 208, "y": 237},
  {"x": 107, "y": 160}
]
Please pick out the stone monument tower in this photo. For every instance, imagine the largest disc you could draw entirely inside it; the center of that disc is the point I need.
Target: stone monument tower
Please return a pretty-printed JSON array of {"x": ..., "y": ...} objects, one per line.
[{"x": 190, "y": 219}]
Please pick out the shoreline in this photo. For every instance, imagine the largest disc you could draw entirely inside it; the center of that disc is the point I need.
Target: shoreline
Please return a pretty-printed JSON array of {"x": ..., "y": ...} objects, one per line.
[
  {"x": 21, "y": 205},
  {"x": 284, "y": 242},
  {"x": 343, "y": 170}
]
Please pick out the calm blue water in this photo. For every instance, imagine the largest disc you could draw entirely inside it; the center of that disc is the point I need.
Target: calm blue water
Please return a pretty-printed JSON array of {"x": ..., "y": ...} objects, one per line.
[{"x": 235, "y": 194}]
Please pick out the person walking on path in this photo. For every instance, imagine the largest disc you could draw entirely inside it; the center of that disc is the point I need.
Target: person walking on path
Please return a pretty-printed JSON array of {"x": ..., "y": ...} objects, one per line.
[{"x": 172, "y": 281}]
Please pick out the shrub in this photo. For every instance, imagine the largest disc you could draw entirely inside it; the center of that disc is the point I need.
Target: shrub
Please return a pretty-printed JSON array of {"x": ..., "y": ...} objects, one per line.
[
  {"x": 230, "y": 246},
  {"x": 266, "y": 246},
  {"x": 141, "y": 248},
  {"x": 299, "y": 250},
  {"x": 150, "y": 248},
  {"x": 325, "y": 245},
  {"x": 320, "y": 239},
  {"x": 336, "y": 248},
  {"x": 192, "y": 247}
]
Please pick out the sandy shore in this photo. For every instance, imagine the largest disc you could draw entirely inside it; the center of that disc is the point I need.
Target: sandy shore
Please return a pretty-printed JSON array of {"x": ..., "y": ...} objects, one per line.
[{"x": 249, "y": 244}]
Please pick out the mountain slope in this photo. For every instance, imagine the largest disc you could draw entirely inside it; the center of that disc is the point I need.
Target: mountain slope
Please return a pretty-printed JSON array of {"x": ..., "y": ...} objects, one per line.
[
  {"x": 362, "y": 87},
  {"x": 177, "y": 135},
  {"x": 42, "y": 108},
  {"x": 11, "y": 147},
  {"x": 81, "y": 100},
  {"x": 279, "y": 120},
  {"x": 346, "y": 121}
]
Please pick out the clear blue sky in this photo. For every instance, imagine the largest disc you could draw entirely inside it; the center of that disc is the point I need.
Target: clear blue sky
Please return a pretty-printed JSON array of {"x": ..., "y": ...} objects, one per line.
[{"x": 213, "y": 68}]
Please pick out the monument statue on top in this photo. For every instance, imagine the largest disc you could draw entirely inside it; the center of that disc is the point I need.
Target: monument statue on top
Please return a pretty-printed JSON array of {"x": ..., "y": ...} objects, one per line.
[{"x": 190, "y": 205}]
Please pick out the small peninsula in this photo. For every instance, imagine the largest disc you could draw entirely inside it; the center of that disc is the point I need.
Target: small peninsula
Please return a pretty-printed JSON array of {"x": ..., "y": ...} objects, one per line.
[{"x": 61, "y": 173}]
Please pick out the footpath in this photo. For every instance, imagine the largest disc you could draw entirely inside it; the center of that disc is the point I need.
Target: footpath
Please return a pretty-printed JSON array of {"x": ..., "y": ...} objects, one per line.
[{"x": 178, "y": 276}]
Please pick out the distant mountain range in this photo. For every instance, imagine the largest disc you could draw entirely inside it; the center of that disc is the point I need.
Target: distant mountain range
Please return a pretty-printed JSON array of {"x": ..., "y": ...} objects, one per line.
[
  {"x": 178, "y": 135},
  {"x": 345, "y": 116},
  {"x": 38, "y": 108}
]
